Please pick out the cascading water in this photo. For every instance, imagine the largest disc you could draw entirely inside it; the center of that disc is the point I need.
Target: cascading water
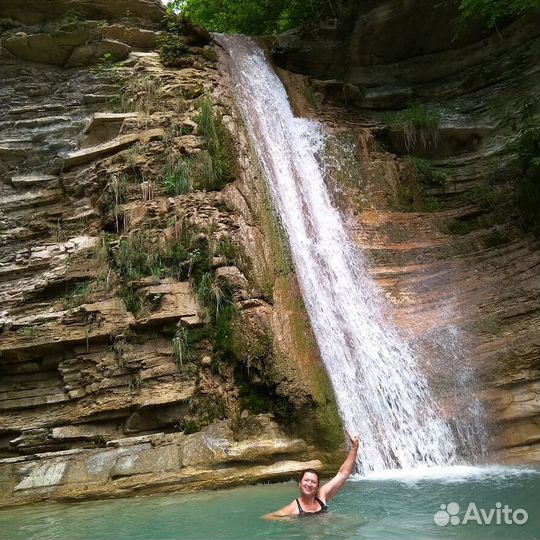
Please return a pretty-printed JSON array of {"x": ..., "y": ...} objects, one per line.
[{"x": 379, "y": 391}]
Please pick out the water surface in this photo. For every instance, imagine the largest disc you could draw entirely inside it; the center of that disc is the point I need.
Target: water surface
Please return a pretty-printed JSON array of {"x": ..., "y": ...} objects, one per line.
[{"x": 378, "y": 507}]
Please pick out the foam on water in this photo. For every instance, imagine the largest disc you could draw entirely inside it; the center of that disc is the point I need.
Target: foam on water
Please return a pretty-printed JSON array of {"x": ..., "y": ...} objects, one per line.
[{"x": 456, "y": 473}]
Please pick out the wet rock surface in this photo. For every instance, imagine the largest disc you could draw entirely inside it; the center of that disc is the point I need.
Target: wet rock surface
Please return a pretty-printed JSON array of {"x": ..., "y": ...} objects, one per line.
[
  {"x": 440, "y": 219},
  {"x": 154, "y": 463}
]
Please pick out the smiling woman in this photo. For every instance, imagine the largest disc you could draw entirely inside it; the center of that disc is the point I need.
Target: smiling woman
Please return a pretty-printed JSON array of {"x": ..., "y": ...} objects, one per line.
[{"x": 313, "y": 498}]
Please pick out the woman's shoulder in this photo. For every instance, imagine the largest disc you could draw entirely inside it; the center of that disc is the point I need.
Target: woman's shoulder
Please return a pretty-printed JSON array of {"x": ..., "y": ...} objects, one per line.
[
  {"x": 289, "y": 510},
  {"x": 321, "y": 497},
  {"x": 293, "y": 508}
]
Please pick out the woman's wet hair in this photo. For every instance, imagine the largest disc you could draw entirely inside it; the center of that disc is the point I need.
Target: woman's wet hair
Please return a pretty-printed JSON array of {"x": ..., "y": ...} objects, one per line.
[{"x": 312, "y": 471}]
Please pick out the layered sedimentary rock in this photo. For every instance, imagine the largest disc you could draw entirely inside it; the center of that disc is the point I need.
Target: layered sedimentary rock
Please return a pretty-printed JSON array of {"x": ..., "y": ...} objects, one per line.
[
  {"x": 440, "y": 211},
  {"x": 36, "y": 11},
  {"x": 119, "y": 373}
]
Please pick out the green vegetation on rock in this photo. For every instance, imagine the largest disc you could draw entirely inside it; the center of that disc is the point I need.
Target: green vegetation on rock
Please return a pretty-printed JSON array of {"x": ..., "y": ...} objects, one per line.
[
  {"x": 211, "y": 168},
  {"x": 77, "y": 294},
  {"x": 135, "y": 301},
  {"x": 491, "y": 11},
  {"x": 177, "y": 177},
  {"x": 172, "y": 48},
  {"x": 419, "y": 124},
  {"x": 139, "y": 255},
  {"x": 134, "y": 258},
  {"x": 140, "y": 94},
  {"x": 426, "y": 172},
  {"x": 310, "y": 95},
  {"x": 409, "y": 195},
  {"x": 211, "y": 295},
  {"x": 215, "y": 164},
  {"x": 218, "y": 302},
  {"x": 180, "y": 345}
]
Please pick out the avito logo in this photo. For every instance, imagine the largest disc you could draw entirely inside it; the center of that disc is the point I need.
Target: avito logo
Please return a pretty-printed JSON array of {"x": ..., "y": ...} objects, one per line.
[{"x": 500, "y": 515}]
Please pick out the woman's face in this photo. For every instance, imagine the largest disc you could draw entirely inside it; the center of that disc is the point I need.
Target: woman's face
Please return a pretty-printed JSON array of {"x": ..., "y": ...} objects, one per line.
[{"x": 309, "y": 484}]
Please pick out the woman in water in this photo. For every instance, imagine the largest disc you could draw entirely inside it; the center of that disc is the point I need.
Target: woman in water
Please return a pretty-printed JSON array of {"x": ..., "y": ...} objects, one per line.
[{"x": 313, "y": 498}]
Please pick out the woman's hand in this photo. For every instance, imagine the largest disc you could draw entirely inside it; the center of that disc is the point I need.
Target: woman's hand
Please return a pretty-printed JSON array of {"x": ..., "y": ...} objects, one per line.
[{"x": 355, "y": 441}]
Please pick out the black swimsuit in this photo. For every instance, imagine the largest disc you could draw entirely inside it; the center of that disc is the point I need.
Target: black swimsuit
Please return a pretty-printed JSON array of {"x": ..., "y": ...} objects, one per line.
[{"x": 302, "y": 512}]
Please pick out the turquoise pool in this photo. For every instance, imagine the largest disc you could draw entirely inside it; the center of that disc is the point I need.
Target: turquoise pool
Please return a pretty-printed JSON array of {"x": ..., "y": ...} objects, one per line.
[{"x": 395, "y": 505}]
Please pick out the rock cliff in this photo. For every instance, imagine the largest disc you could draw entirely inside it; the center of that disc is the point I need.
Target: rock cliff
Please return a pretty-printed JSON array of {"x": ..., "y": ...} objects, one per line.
[
  {"x": 153, "y": 336},
  {"x": 436, "y": 134}
]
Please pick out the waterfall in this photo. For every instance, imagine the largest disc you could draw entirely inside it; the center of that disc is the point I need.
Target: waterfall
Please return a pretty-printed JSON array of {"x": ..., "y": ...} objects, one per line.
[{"x": 380, "y": 393}]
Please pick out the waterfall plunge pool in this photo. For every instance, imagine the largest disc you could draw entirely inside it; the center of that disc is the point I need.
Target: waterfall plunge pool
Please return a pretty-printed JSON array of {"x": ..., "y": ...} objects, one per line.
[{"x": 396, "y": 504}]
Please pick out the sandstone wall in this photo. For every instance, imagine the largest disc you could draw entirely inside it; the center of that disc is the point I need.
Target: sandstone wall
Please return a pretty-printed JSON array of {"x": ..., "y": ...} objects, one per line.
[{"x": 117, "y": 376}]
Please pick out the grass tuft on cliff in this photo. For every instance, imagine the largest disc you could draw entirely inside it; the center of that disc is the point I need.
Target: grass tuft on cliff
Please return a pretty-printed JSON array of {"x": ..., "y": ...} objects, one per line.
[
  {"x": 172, "y": 48},
  {"x": 215, "y": 166},
  {"x": 419, "y": 123},
  {"x": 211, "y": 168},
  {"x": 180, "y": 346},
  {"x": 141, "y": 94},
  {"x": 139, "y": 255},
  {"x": 426, "y": 173},
  {"x": 177, "y": 177}
]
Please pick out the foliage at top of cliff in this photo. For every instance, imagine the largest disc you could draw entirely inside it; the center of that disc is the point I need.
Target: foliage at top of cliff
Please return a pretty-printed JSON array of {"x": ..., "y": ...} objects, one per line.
[
  {"x": 252, "y": 17},
  {"x": 257, "y": 17},
  {"x": 492, "y": 11}
]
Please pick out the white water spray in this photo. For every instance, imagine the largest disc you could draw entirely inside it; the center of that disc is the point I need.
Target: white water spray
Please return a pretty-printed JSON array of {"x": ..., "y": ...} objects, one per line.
[{"x": 379, "y": 391}]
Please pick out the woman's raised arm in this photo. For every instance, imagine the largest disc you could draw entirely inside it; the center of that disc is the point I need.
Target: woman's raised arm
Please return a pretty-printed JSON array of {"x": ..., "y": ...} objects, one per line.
[{"x": 329, "y": 489}]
